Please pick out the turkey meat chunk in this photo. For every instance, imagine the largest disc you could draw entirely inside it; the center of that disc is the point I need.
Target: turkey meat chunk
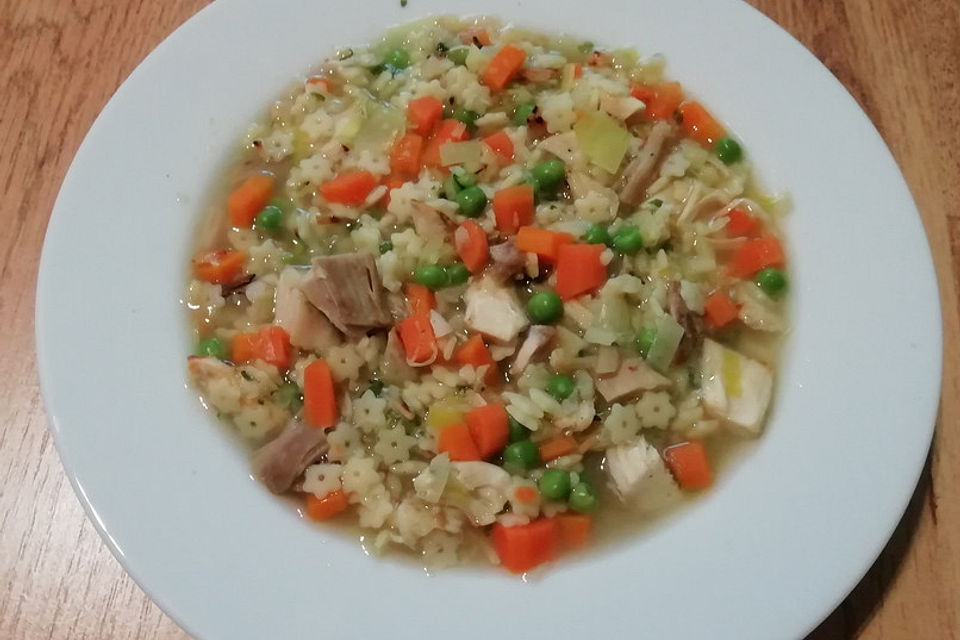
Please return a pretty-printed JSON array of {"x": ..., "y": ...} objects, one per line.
[
  {"x": 735, "y": 388},
  {"x": 639, "y": 477},
  {"x": 494, "y": 310}
]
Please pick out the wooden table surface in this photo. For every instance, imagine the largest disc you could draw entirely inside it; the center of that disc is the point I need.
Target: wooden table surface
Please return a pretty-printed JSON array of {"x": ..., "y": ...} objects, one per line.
[{"x": 59, "y": 63}]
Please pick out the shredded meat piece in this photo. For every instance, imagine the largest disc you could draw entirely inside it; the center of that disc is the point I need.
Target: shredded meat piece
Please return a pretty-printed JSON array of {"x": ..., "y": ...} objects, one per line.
[
  {"x": 539, "y": 74},
  {"x": 394, "y": 368},
  {"x": 638, "y": 172},
  {"x": 691, "y": 323},
  {"x": 631, "y": 376},
  {"x": 347, "y": 289},
  {"x": 428, "y": 222},
  {"x": 507, "y": 261},
  {"x": 307, "y": 326},
  {"x": 236, "y": 286},
  {"x": 537, "y": 338},
  {"x": 281, "y": 461}
]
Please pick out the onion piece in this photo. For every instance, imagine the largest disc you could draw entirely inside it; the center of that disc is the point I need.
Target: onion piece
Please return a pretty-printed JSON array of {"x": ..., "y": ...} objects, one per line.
[{"x": 664, "y": 346}]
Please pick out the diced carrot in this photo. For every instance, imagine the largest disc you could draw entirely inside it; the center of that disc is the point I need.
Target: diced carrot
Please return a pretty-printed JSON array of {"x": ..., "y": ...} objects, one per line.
[
  {"x": 557, "y": 447},
  {"x": 424, "y": 114},
  {"x": 574, "y": 530},
  {"x": 319, "y": 396},
  {"x": 754, "y": 255},
  {"x": 219, "y": 267},
  {"x": 448, "y": 130},
  {"x": 320, "y": 82},
  {"x": 328, "y": 506},
  {"x": 513, "y": 207},
  {"x": 502, "y": 145},
  {"x": 350, "y": 188},
  {"x": 526, "y": 494},
  {"x": 503, "y": 67},
  {"x": 542, "y": 242},
  {"x": 420, "y": 299},
  {"x": 405, "y": 157},
  {"x": 419, "y": 341},
  {"x": 579, "y": 269},
  {"x": 699, "y": 124},
  {"x": 689, "y": 465},
  {"x": 472, "y": 245},
  {"x": 477, "y": 36},
  {"x": 489, "y": 427},
  {"x": 526, "y": 546},
  {"x": 456, "y": 440},
  {"x": 269, "y": 344},
  {"x": 661, "y": 100},
  {"x": 600, "y": 59},
  {"x": 740, "y": 223},
  {"x": 577, "y": 70},
  {"x": 719, "y": 310},
  {"x": 474, "y": 352},
  {"x": 249, "y": 199}
]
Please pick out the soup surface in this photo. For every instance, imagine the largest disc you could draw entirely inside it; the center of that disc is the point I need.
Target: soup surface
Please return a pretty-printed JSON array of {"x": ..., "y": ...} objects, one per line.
[{"x": 473, "y": 287}]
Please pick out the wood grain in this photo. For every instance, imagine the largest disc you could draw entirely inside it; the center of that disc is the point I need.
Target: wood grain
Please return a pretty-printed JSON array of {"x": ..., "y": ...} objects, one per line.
[{"x": 59, "y": 63}]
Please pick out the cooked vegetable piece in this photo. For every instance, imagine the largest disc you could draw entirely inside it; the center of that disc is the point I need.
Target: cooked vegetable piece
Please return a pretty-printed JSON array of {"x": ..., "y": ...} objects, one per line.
[
  {"x": 457, "y": 274},
  {"x": 319, "y": 395},
  {"x": 270, "y": 218},
  {"x": 522, "y": 114},
  {"x": 756, "y": 254},
  {"x": 503, "y": 67},
  {"x": 597, "y": 234},
  {"x": 518, "y": 432},
  {"x": 398, "y": 59},
  {"x": 661, "y": 100},
  {"x": 728, "y": 150},
  {"x": 489, "y": 428},
  {"x": 475, "y": 353},
  {"x": 545, "y": 307},
  {"x": 557, "y": 447},
  {"x": 431, "y": 276},
  {"x": 249, "y": 199},
  {"x": 699, "y": 124},
  {"x": 772, "y": 281},
  {"x": 420, "y": 298},
  {"x": 424, "y": 114},
  {"x": 549, "y": 174},
  {"x": 582, "y": 498},
  {"x": 554, "y": 484},
  {"x": 689, "y": 465},
  {"x": 501, "y": 144},
  {"x": 328, "y": 506},
  {"x": 542, "y": 242},
  {"x": 602, "y": 139},
  {"x": 472, "y": 201},
  {"x": 527, "y": 546},
  {"x": 446, "y": 131},
  {"x": 513, "y": 207},
  {"x": 350, "y": 188},
  {"x": 213, "y": 347},
  {"x": 644, "y": 340},
  {"x": 457, "y": 441},
  {"x": 720, "y": 310},
  {"x": 471, "y": 243},
  {"x": 628, "y": 240},
  {"x": 268, "y": 344},
  {"x": 219, "y": 267},
  {"x": 418, "y": 339},
  {"x": 669, "y": 333},
  {"x": 740, "y": 223},
  {"x": 579, "y": 269},
  {"x": 521, "y": 455},
  {"x": 405, "y": 157},
  {"x": 574, "y": 530},
  {"x": 458, "y": 55}
]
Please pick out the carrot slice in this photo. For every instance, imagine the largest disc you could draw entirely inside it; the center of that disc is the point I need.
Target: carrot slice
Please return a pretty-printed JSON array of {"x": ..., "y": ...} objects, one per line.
[
  {"x": 579, "y": 269},
  {"x": 329, "y": 505},
  {"x": 574, "y": 530},
  {"x": 699, "y": 124},
  {"x": 689, "y": 465},
  {"x": 269, "y": 344},
  {"x": 350, "y": 188},
  {"x": 513, "y": 207},
  {"x": 424, "y": 114},
  {"x": 319, "y": 396},
  {"x": 219, "y": 267},
  {"x": 477, "y": 36},
  {"x": 740, "y": 223},
  {"x": 754, "y": 255},
  {"x": 456, "y": 440},
  {"x": 542, "y": 242},
  {"x": 472, "y": 245},
  {"x": 557, "y": 447},
  {"x": 661, "y": 100},
  {"x": 526, "y": 494},
  {"x": 474, "y": 352},
  {"x": 405, "y": 156},
  {"x": 719, "y": 310},
  {"x": 419, "y": 341},
  {"x": 526, "y": 546},
  {"x": 501, "y": 144},
  {"x": 489, "y": 427},
  {"x": 420, "y": 299},
  {"x": 249, "y": 199},
  {"x": 503, "y": 67}
]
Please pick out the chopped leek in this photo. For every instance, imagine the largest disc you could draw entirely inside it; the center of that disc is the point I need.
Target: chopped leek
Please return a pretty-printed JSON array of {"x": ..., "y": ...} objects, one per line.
[
  {"x": 469, "y": 154},
  {"x": 382, "y": 125},
  {"x": 603, "y": 140},
  {"x": 664, "y": 345},
  {"x": 730, "y": 373}
]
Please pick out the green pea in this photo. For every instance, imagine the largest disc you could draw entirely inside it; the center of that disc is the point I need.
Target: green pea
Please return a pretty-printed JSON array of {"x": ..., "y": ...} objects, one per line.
[
  {"x": 518, "y": 432},
  {"x": 537, "y": 191},
  {"x": 585, "y": 47},
  {"x": 213, "y": 347},
  {"x": 288, "y": 395},
  {"x": 386, "y": 246},
  {"x": 560, "y": 386},
  {"x": 521, "y": 455},
  {"x": 376, "y": 386},
  {"x": 627, "y": 240},
  {"x": 582, "y": 499},
  {"x": 644, "y": 340},
  {"x": 457, "y": 274},
  {"x": 472, "y": 201},
  {"x": 555, "y": 484},
  {"x": 431, "y": 276},
  {"x": 464, "y": 179},
  {"x": 596, "y": 234},
  {"x": 522, "y": 113},
  {"x": 398, "y": 59},
  {"x": 772, "y": 280},
  {"x": 458, "y": 55},
  {"x": 466, "y": 116},
  {"x": 550, "y": 174},
  {"x": 545, "y": 307},
  {"x": 451, "y": 187},
  {"x": 270, "y": 218},
  {"x": 728, "y": 150}
]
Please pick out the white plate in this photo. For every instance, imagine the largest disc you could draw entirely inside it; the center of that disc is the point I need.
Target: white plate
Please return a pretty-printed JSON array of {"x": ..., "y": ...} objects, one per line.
[{"x": 769, "y": 552}]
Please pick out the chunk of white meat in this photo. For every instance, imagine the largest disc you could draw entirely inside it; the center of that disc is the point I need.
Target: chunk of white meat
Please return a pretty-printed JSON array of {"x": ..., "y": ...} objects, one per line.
[
  {"x": 620, "y": 107},
  {"x": 307, "y": 326},
  {"x": 735, "y": 388},
  {"x": 640, "y": 169},
  {"x": 632, "y": 376},
  {"x": 431, "y": 482},
  {"x": 474, "y": 474},
  {"x": 638, "y": 476},
  {"x": 494, "y": 311},
  {"x": 537, "y": 338}
]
